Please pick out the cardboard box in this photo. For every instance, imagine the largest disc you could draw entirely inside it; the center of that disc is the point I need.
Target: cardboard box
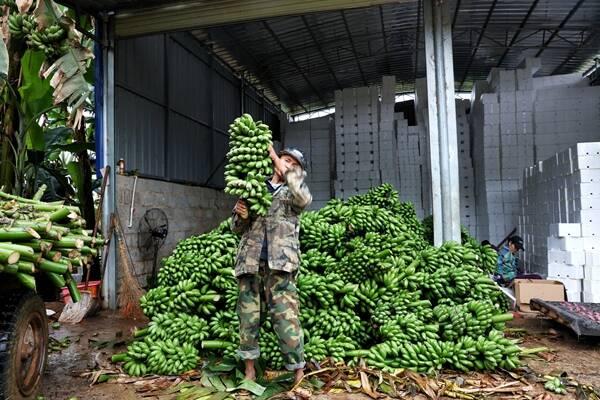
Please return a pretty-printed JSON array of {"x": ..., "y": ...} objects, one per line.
[{"x": 527, "y": 289}]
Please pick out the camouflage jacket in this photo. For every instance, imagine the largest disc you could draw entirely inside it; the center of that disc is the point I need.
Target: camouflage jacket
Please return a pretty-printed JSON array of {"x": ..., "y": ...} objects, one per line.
[{"x": 282, "y": 227}]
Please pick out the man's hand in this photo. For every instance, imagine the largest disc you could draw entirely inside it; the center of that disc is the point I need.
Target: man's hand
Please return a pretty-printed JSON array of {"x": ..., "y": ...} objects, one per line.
[
  {"x": 279, "y": 166},
  {"x": 241, "y": 209}
]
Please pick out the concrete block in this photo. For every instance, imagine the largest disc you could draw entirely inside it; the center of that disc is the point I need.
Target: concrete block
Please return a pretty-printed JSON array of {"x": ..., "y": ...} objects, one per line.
[
  {"x": 573, "y": 285},
  {"x": 592, "y": 257},
  {"x": 574, "y": 297},
  {"x": 565, "y": 230},
  {"x": 566, "y": 243},
  {"x": 566, "y": 271},
  {"x": 591, "y": 272},
  {"x": 591, "y": 286},
  {"x": 591, "y": 297},
  {"x": 566, "y": 257}
]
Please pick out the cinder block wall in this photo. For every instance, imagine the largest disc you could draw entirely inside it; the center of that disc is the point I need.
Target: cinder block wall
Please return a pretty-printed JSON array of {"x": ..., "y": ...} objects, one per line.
[
  {"x": 190, "y": 210},
  {"x": 517, "y": 120},
  {"x": 313, "y": 138}
]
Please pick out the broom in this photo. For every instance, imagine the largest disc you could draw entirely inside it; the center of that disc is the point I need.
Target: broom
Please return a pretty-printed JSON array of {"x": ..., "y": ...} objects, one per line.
[
  {"x": 131, "y": 292},
  {"x": 74, "y": 312}
]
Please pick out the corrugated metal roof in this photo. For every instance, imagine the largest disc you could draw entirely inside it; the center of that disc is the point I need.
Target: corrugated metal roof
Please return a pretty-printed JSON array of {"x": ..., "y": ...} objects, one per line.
[
  {"x": 300, "y": 60},
  {"x": 115, "y": 5}
]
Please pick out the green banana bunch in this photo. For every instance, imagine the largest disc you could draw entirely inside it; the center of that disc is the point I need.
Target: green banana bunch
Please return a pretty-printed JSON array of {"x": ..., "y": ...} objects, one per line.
[
  {"x": 554, "y": 384},
  {"x": 21, "y": 25},
  {"x": 170, "y": 357},
  {"x": 465, "y": 236},
  {"x": 448, "y": 285},
  {"x": 155, "y": 301},
  {"x": 485, "y": 353},
  {"x": 314, "y": 260},
  {"x": 471, "y": 319},
  {"x": 184, "y": 327},
  {"x": 315, "y": 349},
  {"x": 314, "y": 290},
  {"x": 165, "y": 357},
  {"x": 248, "y": 163},
  {"x": 269, "y": 347},
  {"x": 318, "y": 234},
  {"x": 51, "y": 40},
  {"x": 488, "y": 257},
  {"x": 201, "y": 259},
  {"x": 224, "y": 325},
  {"x": 184, "y": 297},
  {"x": 338, "y": 347},
  {"x": 384, "y": 196},
  {"x": 12, "y": 4},
  {"x": 334, "y": 322},
  {"x": 408, "y": 327}
]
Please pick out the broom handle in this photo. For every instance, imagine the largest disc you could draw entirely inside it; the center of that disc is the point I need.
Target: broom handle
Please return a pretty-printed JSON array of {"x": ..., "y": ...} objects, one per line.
[
  {"x": 506, "y": 238},
  {"x": 102, "y": 189},
  {"x": 98, "y": 214},
  {"x": 111, "y": 228},
  {"x": 121, "y": 236}
]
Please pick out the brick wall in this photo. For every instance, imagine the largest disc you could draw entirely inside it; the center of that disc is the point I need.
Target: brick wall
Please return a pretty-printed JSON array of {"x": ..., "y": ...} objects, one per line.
[{"x": 190, "y": 210}]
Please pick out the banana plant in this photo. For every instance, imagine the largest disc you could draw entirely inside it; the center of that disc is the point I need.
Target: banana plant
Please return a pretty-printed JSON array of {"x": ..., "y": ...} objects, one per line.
[{"x": 44, "y": 62}]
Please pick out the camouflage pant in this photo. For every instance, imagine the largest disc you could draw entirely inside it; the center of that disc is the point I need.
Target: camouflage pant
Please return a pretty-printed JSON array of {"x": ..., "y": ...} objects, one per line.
[{"x": 275, "y": 290}]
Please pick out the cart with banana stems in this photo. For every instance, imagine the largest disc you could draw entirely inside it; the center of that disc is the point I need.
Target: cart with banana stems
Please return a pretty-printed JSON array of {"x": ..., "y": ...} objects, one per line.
[{"x": 41, "y": 245}]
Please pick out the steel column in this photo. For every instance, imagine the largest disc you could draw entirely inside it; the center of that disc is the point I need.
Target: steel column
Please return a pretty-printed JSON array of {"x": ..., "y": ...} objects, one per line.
[
  {"x": 109, "y": 287},
  {"x": 443, "y": 144}
]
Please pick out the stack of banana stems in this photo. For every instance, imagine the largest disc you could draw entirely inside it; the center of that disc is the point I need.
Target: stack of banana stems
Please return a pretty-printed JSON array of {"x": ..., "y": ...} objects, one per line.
[{"x": 43, "y": 238}]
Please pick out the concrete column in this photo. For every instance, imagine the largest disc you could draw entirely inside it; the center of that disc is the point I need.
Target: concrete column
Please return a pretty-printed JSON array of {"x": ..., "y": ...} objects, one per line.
[
  {"x": 109, "y": 287},
  {"x": 443, "y": 145}
]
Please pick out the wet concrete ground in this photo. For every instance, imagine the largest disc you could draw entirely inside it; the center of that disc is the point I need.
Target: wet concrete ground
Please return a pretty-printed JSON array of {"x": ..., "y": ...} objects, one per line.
[{"x": 93, "y": 341}]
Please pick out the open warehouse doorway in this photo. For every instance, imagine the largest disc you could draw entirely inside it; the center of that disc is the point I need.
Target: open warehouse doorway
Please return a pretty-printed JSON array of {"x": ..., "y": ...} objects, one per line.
[{"x": 175, "y": 74}]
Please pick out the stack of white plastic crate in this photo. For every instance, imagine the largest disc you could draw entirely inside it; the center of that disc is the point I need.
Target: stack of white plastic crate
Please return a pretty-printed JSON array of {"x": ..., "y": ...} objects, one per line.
[
  {"x": 560, "y": 204},
  {"x": 465, "y": 168},
  {"x": 565, "y": 115},
  {"x": 388, "y": 159},
  {"x": 312, "y": 137},
  {"x": 356, "y": 142},
  {"x": 422, "y": 132},
  {"x": 363, "y": 125},
  {"x": 516, "y": 120},
  {"x": 410, "y": 163}
]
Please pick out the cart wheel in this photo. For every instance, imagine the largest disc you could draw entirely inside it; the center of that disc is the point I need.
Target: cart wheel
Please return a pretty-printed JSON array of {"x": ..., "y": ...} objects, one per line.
[{"x": 23, "y": 344}]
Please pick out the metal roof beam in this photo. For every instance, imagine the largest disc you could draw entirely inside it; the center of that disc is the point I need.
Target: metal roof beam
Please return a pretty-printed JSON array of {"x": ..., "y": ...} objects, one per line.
[
  {"x": 294, "y": 62},
  {"x": 455, "y": 14},
  {"x": 417, "y": 37},
  {"x": 362, "y": 74},
  {"x": 256, "y": 64},
  {"x": 516, "y": 35},
  {"x": 205, "y": 13},
  {"x": 291, "y": 96},
  {"x": 560, "y": 26},
  {"x": 487, "y": 20},
  {"x": 321, "y": 52},
  {"x": 573, "y": 53},
  {"x": 383, "y": 34}
]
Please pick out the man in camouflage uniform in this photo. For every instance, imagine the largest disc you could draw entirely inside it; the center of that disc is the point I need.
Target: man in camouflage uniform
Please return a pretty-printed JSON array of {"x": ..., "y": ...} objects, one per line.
[{"x": 267, "y": 261}]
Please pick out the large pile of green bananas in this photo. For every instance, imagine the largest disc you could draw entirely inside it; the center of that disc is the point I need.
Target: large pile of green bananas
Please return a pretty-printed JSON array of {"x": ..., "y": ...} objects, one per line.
[
  {"x": 370, "y": 287},
  {"x": 248, "y": 163}
]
